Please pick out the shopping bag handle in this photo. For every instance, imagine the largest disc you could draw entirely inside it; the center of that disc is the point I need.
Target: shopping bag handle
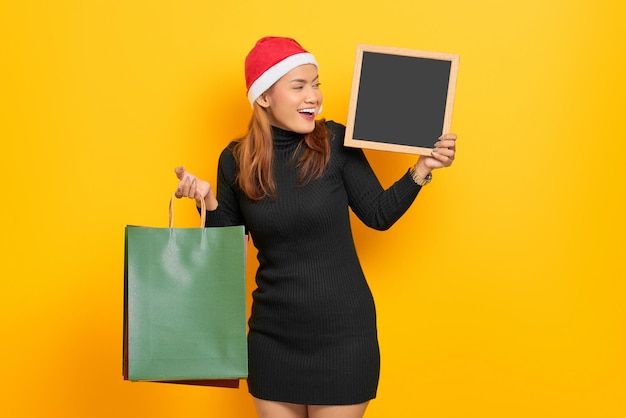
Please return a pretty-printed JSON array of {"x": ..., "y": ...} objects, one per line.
[{"x": 202, "y": 212}]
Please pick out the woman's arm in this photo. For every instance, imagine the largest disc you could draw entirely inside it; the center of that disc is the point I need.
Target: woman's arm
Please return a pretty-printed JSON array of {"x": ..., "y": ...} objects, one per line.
[{"x": 379, "y": 208}]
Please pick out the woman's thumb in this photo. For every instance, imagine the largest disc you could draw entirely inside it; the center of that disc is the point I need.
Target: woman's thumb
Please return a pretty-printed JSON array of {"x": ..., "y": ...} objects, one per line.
[{"x": 180, "y": 172}]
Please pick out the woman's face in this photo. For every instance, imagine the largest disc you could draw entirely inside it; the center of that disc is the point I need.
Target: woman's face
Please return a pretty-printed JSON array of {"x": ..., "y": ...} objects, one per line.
[{"x": 293, "y": 101}]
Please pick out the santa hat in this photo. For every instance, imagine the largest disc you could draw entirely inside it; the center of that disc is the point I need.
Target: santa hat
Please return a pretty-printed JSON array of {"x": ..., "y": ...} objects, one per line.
[{"x": 270, "y": 59}]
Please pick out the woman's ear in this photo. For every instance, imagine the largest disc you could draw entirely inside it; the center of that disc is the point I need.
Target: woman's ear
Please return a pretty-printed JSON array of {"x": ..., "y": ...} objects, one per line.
[{"x": 263, "y": 101}]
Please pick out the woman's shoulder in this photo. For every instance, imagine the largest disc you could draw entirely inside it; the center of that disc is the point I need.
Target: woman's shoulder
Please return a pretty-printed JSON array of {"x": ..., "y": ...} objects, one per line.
[
  {"x": 227, "y": 158},
  {"x": 229, "y": 150},
  {"x": 337, "y": 135},
  {"x": 337, "y": 130}
]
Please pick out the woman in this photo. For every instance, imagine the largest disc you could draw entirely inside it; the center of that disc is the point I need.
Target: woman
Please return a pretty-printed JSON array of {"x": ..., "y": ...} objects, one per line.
[{"x": 313, "y": 349}]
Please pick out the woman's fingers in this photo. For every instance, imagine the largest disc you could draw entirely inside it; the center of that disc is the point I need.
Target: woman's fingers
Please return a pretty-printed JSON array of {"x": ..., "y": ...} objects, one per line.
[
  {"x": 180, "y": 172},
  {"x": 186, "y": 188},
  {"x": 188, "y": 185},
  {"x": 180, "y": 190}
]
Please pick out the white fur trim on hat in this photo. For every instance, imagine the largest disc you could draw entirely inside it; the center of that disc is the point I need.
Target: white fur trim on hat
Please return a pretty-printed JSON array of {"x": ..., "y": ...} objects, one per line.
[{"x": 274, "y": 73}]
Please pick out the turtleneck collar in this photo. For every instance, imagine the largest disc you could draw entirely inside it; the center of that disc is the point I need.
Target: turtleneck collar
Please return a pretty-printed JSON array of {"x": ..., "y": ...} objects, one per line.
[{"x": 285, "y": 139}]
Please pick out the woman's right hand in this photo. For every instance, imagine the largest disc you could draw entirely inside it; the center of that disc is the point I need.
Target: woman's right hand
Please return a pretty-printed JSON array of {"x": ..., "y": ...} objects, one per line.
[{"x": 190, "y": 186}]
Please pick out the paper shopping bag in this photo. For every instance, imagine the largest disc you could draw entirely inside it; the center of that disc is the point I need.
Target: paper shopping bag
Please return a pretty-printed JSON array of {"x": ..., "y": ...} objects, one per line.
[{"x": 185, "y": 305}]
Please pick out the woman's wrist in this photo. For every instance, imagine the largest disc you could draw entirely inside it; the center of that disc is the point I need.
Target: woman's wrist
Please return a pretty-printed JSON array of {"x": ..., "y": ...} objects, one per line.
[
  {"x": 420, "y": 169},
  {"x": 421, "y": 174},
  {"x": 209, "y": 200}
]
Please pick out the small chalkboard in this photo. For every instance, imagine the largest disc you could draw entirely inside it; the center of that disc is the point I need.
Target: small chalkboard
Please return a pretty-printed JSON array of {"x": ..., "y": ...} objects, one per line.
[{"x": 401, "y": 99}]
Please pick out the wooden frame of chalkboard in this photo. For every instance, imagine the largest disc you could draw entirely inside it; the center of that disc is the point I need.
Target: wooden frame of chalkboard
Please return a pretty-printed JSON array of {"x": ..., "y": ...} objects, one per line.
[{"x": 401, "y": 99}]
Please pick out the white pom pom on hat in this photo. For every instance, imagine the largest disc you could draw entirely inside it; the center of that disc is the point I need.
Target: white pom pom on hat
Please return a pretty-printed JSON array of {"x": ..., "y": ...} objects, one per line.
[{"x": 271, "y": 58}]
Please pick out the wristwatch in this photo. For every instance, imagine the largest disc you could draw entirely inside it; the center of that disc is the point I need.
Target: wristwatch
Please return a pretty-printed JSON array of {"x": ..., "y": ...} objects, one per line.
[{"x": 421, "y": 181}]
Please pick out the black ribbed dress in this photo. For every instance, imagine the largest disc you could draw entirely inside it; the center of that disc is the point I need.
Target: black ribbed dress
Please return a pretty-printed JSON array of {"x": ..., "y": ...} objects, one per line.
[{"x": 312, "y": 337}]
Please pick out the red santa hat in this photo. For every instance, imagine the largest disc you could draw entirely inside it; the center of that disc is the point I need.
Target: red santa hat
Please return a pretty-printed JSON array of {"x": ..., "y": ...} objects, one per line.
[{"x": 270, "y": 59}]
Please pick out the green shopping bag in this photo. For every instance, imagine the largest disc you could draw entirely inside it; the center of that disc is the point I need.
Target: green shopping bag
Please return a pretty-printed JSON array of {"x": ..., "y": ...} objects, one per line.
[{"x": 185, "y": 305}]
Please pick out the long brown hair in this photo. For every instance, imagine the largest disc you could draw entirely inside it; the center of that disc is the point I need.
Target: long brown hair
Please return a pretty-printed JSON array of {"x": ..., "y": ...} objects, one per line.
[{"x": 254, "y": 155}]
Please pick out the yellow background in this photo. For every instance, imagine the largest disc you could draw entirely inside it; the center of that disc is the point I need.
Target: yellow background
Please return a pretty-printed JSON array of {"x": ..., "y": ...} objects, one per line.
[{"x": 500, "y": 293}]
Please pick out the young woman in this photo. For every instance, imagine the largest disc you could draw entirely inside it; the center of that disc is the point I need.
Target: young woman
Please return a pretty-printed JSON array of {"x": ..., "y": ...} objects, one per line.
[{"x": 313, "y": 348}]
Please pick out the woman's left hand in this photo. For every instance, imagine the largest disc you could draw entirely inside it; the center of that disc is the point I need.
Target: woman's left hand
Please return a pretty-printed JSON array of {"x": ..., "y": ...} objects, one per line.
[{"x": 443, "y": 154}]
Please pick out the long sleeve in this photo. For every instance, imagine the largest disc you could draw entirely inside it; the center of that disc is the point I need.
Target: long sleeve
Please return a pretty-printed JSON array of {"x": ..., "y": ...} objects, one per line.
[
  {"x": 227, "y": 212},
  {"x": 374, "y": 206}
]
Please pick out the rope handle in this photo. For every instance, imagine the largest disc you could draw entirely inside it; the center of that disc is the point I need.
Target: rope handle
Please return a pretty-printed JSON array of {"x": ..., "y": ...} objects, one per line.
[{"x": 202, "y": 211}]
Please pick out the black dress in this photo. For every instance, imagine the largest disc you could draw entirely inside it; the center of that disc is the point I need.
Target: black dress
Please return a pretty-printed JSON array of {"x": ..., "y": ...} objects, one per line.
[{"x": 312, "y": 337}]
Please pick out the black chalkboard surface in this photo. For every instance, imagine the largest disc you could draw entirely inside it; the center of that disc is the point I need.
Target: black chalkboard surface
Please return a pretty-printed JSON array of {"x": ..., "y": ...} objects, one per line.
[{"x": 401, "y": 99}]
